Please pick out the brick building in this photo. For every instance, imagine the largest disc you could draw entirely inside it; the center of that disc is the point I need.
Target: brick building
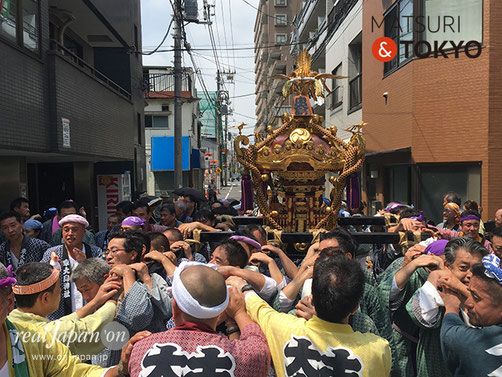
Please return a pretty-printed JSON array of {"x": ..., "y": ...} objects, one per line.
[
  {"x": 71, "y": 102},
  {"x": 432, "y": 122}
]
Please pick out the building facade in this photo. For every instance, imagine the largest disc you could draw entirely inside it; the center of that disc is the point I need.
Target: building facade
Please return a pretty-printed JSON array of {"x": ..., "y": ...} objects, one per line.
[
  {"x": 272, "y": 37},
  {"x": 159, "y": 130},
  {"x": 331, "y": 31},
  {"x": 71, "y": 81},
  {"x": 209, "y": 132},
  {"x": 433, "y": 122}
]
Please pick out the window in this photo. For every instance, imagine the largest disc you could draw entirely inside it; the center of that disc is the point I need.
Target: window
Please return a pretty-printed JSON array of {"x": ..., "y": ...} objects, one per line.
[
  {"x": 466, "y": 16},
  {"x": 22, "y": 27},
  {"x": 399, "y": 28},
  {"x": 148, "y": 121},
  {"x": 280, "y": 3},
  {"x": 8, "y": 20},
  {"x": 30, "y": 24},
  {"x": 165, "y": 107},
  {"x": 281, "y": 20},
  {"x": 160, "y": 121},
  {"x": 336, "y": 89},
  {"x": 281, "y": 39},
  {"x": 355, "y": 74}
]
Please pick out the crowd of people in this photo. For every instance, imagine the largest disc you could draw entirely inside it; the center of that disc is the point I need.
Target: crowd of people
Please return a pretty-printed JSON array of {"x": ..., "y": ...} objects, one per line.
[{"x": 430, "y": 307}]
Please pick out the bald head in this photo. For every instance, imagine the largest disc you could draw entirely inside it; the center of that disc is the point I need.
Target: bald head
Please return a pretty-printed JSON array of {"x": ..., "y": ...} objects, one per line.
[
  {"x": 205, "y": 285},
  {"x": 498, "y": 217}
]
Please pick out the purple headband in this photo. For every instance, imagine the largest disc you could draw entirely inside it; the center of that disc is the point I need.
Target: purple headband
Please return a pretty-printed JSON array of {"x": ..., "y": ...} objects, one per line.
[
  {"x": 133, "y": 221},
  {"x": 436, "y": 247},
  {"x": 247, "y": 240},
  {"x": 470, "y": 217},
  {"x": 420, "y": 218},
  {"x": 389, "y": 208},
  {"x": 9, "y": 281}
]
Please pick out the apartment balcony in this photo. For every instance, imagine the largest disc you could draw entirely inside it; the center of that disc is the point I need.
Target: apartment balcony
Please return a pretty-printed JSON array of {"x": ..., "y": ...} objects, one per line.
[
  {"x": 308, "y": 19},
  {"x": 99, "y": 112},
  {"x": 280, "y": 110},
  {"x": 278, "y": 67},
  {"x": 276, "y": 88},
  {"x": 338, "y": 14}
]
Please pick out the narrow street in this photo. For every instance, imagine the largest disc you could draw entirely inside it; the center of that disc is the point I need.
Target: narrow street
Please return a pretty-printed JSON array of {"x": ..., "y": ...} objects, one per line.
[{"x": 231, "y": 191}]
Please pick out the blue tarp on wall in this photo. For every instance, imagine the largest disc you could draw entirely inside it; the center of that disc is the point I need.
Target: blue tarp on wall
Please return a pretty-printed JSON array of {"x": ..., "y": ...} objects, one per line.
[
  {"x": 196, "y": 156},
  {"x": 163, "y": 153}
]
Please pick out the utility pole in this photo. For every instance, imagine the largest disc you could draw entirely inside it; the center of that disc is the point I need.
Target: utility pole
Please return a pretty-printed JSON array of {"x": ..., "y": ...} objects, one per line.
[
  {"x": 223, "y": 97},
  {"x": 178, "y": 104},
  {"x": 218, "y": 122},
  {"x": 266, "y": 109},
  {"x": 226, "y": 144}
]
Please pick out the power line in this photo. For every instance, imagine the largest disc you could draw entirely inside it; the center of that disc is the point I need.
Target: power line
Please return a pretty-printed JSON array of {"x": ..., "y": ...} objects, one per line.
[
  {"x": 232, "y": 35},
  {"x": 224, "y": 26},
  {"x": 245, "y": 116},
  {"x": 234, "y": 67},
  {"x": 255, "y": 48},
  {"x": 249, "y": 94},
  {"x": 163, "y": 40},
  {"x": 259, "y": 10}
]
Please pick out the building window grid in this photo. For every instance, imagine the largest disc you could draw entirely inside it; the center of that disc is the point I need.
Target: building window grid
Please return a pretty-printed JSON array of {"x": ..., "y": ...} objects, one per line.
[
  {"x": 20, "y": 23},
  {"x": 281, "y": 38},
  {"x": 336, "y": 94},
  {"x": 355, "y": 90},
  {"x": 399, "y": 13},
  {"x": 281, "y": 20}
]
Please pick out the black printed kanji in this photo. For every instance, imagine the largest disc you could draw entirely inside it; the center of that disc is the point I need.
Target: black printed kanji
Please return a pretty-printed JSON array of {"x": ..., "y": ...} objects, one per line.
[
  {"x": 169, "y": 360},
  {"x": 341, "y": 362},
  {"x": 211, "y": 360},
  {"x": 302, "y": 354},
  {"x": 308, "y": 361},
  {"x": 301, "y": 106},
  {"x": 169, "y": 356}
]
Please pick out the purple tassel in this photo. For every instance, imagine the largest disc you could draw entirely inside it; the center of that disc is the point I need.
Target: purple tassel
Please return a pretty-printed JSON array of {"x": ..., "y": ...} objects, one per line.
[
  {"x": 353, "y": 195},
  {"x": 246, "y": 193}
]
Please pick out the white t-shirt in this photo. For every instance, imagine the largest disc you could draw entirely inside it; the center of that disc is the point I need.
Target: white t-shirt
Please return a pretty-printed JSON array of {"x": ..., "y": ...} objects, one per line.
[{"x": 4, "y": 371}]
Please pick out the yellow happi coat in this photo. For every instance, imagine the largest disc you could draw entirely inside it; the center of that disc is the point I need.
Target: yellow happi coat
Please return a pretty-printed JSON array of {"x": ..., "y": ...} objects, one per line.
[
  {"x": 45, "y": 356},
  {"x": 81, "y": 335},
  {"x": 301, "y": 346}
]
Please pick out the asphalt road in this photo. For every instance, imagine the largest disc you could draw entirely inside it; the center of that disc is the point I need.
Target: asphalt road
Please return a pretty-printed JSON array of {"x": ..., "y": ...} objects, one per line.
[{"x": 232, "y": 191}]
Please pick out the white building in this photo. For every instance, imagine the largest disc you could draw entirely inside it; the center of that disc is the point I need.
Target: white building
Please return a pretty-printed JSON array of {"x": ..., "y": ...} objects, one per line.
[
  {"x": 344, "y": 57},
  {"x": 331, "y": 32},
  {"x": 159, "y": 130}
]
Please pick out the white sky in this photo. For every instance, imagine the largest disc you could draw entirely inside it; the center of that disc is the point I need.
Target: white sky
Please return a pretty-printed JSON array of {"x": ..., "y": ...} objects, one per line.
[{"x": 156, "y": 16}]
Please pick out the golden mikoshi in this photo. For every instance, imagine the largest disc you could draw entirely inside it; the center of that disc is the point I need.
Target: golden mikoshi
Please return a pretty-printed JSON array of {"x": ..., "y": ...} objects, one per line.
[{"x": 288, "y": 167}]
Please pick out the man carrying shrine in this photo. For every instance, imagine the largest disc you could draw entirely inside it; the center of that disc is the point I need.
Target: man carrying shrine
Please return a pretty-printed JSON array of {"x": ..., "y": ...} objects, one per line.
[
  {"x": 324, "y": 345},
  {"x": 38, "y": 354},
  {"x": 72, "y": 252},
  {"x": 193, "y": 347}
]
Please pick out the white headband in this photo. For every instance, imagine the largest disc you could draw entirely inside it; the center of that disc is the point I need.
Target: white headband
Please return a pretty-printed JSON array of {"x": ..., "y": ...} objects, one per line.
[{"x": 187, "y": 303}]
